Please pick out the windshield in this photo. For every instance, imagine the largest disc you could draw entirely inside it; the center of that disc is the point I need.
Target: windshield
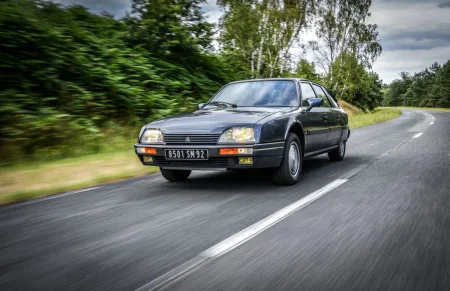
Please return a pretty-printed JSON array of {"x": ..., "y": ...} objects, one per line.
[{"x": 259, "y": 93}]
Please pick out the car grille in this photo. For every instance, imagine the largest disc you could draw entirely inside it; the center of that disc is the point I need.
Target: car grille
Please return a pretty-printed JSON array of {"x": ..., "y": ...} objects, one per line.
[
  {"x": 214, "y": 162},
  {"x": 191, "y": 138}
]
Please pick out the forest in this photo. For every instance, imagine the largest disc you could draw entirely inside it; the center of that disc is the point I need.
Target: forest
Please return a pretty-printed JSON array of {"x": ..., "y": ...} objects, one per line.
[
  {"x": 428, "y": 88},
  {"x": 73, "y": 82}
]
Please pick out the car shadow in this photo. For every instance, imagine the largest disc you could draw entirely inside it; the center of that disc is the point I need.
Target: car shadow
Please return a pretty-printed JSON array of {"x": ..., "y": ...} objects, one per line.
[{"x": 314, "y": 169}]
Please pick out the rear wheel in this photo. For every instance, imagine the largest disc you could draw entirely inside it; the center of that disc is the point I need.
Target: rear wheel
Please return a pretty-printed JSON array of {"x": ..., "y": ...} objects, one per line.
[
  {"x": 175, "y": 175},
  {"x": 288, "y": 173},
  {"x": 339, "y": 153}
]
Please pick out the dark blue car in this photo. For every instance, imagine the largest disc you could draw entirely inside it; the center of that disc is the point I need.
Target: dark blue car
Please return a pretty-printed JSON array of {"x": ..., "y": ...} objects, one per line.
[{"x": 252, "y": 124}]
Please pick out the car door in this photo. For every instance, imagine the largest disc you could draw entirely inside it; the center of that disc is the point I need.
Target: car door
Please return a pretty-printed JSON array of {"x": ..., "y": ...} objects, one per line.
[
  {"x": 332, "y": 117},
  {"x": 314, "y": 122},
  {"x": 341, "y": 120}
]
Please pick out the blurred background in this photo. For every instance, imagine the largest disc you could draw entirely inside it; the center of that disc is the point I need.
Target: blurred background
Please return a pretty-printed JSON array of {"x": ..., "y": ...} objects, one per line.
[{"x": 78, "y": 81}]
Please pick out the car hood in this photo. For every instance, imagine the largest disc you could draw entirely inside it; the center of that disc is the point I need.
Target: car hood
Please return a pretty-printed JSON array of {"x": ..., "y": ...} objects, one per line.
[{"x": 214, "y": 121}]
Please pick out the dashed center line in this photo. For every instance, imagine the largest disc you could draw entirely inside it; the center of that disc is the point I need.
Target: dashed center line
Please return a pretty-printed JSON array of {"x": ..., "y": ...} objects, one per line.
[{"x": 417, "y": 135}]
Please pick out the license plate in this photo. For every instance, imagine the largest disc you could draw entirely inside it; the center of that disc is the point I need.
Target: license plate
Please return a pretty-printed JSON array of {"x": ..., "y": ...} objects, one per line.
[{"x": 194, "y": 154}]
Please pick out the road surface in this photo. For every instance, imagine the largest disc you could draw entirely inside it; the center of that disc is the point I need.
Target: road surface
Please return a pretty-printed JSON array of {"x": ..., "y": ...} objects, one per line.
[{"x": 379, "y": 220}]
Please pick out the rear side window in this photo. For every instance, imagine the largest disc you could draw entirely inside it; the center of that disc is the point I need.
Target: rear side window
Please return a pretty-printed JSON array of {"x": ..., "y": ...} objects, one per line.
[
  {"x": 333, "y": 102},
  {"x": 321, "y": 94},
  {"x": 307, "y": 93}
]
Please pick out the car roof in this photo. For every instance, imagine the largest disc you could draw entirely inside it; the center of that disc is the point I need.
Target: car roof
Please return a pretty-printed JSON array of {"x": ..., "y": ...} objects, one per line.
[{"x": 272, "y": 79}]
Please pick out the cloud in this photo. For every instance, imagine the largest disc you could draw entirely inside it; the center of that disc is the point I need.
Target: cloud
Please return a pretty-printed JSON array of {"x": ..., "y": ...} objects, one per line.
[
  {"x": 212, "y": 11},
  {"x": 391, "y": 63},
  {"x": 117, "y": 8},
  {"x": 414, "y": 35},
  {"x": 444, "y": 5}
]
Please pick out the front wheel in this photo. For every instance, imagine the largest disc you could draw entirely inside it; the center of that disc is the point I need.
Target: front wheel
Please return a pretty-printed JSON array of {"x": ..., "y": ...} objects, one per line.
[
  {"x": 339, "y": 153},
  {"x": 175, "y": 175},
  {"x": 288, "y": 173}
]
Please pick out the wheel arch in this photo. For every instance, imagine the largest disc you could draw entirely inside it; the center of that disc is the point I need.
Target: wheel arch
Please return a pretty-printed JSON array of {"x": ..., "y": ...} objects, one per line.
[{"x": 297, "y": 129}]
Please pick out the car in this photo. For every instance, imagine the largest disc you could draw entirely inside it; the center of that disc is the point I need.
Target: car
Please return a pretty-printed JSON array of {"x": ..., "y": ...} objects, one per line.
[{"x": 269, "y": 124}]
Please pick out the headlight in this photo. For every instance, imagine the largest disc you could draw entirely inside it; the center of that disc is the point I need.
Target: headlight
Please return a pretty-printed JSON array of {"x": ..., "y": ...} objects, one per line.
[
  {"x": 238, "y": 135},
  {"x": 152, "y": 136}
]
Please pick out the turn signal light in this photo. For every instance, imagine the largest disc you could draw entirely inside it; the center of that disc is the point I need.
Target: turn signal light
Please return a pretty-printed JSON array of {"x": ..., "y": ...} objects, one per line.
[
  {"x": 149, "y": 151},
  {"x": 232, "y": 151},
  {"x": 235, "y": 151}
]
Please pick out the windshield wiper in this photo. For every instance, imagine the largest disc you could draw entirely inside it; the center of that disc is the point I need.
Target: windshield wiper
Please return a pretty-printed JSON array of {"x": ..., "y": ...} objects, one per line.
[{"x": 219, "y": 103}]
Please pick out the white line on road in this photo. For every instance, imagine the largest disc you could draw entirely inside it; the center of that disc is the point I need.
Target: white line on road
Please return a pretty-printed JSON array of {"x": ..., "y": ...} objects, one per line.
[
  {"x": 431, "y": 123},
  {"x": 239, "y": 238},
  {"x": 417, "y": 135},
  {"x": 253, "y": 230},
  {"x": 50, "y": 197}
]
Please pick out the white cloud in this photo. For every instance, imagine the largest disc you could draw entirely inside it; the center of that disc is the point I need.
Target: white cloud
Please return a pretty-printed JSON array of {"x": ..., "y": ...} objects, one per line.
[
  {"x": 391, "y": 63},
  {"x": 414, "y": 35}
]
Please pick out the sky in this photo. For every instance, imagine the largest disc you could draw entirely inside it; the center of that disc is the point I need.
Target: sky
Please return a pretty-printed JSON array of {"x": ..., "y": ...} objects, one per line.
[{"x": 414, "y": 33}]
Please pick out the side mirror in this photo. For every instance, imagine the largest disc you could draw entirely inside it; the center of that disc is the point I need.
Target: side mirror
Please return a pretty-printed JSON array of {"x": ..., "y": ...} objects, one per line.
[
  {"x": 314, "y": 102},
  {"x": 201, "y": 105}
]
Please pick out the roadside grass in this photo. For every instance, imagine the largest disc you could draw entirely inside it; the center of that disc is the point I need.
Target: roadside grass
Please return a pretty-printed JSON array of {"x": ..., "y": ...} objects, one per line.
[
  {"x": 425, "y": 108},
  {"x": 377, "y": 116},
  {"x": 40, "y": 179},
  {"x": 350, "y": 109}
]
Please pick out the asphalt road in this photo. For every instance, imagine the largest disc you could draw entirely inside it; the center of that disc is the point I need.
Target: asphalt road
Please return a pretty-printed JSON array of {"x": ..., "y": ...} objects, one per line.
[{"x": 385, "y": 225}]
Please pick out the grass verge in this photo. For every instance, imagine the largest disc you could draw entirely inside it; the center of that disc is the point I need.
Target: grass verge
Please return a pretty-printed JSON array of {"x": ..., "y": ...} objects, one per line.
[
  {"x": 40, "y": 179},
  {"x": 426, "y": 108},
  {"x": 377, "y": 116}
]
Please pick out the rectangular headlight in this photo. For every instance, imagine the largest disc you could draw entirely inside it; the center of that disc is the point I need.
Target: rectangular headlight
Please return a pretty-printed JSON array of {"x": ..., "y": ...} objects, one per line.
[
  {"x": 152, "y": 136},
  {"x": 238, "y": 135}
]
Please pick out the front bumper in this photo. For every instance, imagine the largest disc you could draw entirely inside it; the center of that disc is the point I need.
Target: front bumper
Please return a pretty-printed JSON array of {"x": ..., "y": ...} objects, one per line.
[{"x": 267, "y": 155}]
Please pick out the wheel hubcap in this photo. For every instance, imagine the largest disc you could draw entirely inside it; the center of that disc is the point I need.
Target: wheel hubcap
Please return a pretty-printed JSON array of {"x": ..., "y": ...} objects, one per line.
[
  {"x": 341, "y": 148},
  {"x": 294, "y": 159}
]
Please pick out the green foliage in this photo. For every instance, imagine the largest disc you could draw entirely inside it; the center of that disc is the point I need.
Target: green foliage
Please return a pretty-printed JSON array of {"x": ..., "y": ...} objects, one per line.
[
  {"x": 307, "y": 70},
  {"x": 70, "y": 77},
  {"x": 428, "y": 88},
  {"x": 360, "y": 87},
  {"x": 345, "y": 50},
  {"x": 257, "y": 35}
]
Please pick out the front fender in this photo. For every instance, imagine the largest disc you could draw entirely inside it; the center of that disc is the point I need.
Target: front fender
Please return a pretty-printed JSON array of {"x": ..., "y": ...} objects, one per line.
[
  {"x": 276, "y": 128},
  {"x": 294, "y": 126}
]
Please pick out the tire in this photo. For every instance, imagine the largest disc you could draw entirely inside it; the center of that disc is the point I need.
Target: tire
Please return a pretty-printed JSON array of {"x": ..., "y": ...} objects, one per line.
[
  {"x": 339, "y": 153},
  {"x": 175, "y": 175},
  {"x": 286, "y": 173}
]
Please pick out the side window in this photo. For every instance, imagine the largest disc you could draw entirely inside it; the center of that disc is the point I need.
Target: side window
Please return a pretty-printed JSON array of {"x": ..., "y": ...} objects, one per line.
[
  {"x": 332, "y": 101},
  {"x": 321, "y": 94},
  {"x": 307, "y": 93}
]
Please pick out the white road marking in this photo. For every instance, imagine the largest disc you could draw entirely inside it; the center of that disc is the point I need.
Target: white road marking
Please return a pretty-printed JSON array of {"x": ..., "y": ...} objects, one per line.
[
  {"x": 253, "y": 230},
  {"x": 49, "y": 197},
  {"x": 417, "y": 135},
  {"x": 239, "y": 238},
  {"x": 431, "y": 123},
  {"x": 35, "y": 200}
]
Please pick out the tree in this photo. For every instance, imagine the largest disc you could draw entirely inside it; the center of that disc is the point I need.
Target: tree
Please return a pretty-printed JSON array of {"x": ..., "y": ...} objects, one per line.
[
  {"x": 344, "y": 35},
  {"x": 428, "y": 88},
  {"x": 259, "y": 34},
  {"x": 307, "y": 70},
  {"x": 90, "y": 77}
]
